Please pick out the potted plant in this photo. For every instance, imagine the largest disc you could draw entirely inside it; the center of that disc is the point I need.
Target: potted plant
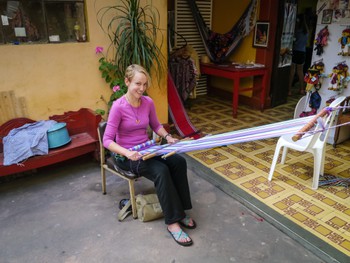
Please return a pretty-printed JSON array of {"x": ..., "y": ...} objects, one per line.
[
  {"x": 109, "y": 73},
  {"x": 133, "y": 30}
]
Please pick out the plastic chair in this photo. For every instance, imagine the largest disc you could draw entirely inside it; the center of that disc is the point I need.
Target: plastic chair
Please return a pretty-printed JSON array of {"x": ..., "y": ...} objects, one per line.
[
  {"x": 314, "y": 144},
  {"x": 300, "y": 107},
  {"x": 108, "y": 164}
]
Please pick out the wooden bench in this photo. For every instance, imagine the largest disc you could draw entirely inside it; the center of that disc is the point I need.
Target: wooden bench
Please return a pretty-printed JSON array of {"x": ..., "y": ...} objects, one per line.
[{"x": 82, "y": 128}]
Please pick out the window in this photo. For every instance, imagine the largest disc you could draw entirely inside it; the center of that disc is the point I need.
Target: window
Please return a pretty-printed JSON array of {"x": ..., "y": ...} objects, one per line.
[{"x": 42, "y": 21}]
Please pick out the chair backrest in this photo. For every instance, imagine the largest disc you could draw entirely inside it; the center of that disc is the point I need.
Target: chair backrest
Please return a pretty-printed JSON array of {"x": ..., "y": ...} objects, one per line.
[
  {"x": 100, "y": 131},
  {"x": 320, "y": 138},
  {"x": 346, "y": 102},
  {"x": 105, "y": 156},
  {"x": 300, "y": 107},
  {"x": 329, "y": 120}
]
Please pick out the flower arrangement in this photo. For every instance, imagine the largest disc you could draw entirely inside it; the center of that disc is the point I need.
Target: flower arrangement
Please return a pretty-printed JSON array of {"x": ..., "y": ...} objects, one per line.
[{"x": 109, "y": 72}]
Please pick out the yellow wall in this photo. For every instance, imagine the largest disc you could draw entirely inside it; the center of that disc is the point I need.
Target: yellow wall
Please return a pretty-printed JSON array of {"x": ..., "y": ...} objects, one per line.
[
  {"x": 54, "y": 78},
  {"x": 225, "y": 14}
]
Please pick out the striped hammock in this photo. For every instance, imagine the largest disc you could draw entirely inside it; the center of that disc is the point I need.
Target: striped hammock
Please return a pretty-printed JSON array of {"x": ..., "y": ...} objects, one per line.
[{"x": 220, "y": 46}]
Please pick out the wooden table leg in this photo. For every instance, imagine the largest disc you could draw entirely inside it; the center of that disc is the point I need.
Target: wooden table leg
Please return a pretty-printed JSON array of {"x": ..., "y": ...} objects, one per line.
[
  {"x": 263, "y": 91},
  {"x": 235, "y": 97}
]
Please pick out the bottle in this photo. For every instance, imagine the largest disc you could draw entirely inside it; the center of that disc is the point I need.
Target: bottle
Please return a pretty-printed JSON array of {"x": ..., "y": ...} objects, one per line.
[{"x": 77, "y": 31}]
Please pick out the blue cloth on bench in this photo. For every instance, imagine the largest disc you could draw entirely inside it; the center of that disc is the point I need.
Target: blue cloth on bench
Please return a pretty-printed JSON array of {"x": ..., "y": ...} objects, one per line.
[{"x": 26, "y": 141}]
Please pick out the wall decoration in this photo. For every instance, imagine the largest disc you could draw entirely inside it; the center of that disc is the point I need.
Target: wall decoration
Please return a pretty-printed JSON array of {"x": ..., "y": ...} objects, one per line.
[
  {"x": 331, "y": 45},
  {"x": 290, "y": 16},
  {"x": 339, "y": 78},
  {"x": 321, "y": 40},
  {"x": 261, "y": 34},
  {"x": 313, "y": 76},
  {"x": 327, "y": 15},
  {"x": 344, "y": 42}
]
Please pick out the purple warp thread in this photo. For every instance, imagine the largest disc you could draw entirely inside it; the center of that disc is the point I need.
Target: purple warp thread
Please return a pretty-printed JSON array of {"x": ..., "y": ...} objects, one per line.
[
  {"x": 245, "y": 135},
  {"x": 250, "y": 134}
]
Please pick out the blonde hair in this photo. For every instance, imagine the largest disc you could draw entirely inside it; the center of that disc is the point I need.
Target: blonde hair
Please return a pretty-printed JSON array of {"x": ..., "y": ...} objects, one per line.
[{"x": 131, "y": 71}]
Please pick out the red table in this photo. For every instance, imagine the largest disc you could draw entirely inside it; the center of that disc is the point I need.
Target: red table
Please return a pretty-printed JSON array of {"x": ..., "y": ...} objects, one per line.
[{"x": 236, "y": 73}]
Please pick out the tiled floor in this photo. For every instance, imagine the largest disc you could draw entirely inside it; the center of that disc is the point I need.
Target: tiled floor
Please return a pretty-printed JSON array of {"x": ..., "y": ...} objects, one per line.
[{"x": 323, "y": 213}]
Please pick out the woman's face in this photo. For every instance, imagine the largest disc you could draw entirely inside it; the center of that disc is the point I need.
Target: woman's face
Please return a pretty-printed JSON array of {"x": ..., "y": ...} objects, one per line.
[{"x": 137, "y": 85}]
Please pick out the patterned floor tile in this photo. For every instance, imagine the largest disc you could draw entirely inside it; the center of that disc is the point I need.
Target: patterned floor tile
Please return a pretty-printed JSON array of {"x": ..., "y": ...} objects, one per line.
[{"x": 324, "y": 213}]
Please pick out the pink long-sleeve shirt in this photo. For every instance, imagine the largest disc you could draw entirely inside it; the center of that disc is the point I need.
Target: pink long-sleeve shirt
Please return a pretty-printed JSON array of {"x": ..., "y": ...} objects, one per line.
[{"x": 122, "y": 126}]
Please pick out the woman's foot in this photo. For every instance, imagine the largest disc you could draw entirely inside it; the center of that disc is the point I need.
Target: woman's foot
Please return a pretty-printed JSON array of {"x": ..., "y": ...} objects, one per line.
[
  {"x": 179, "y": 235},
  {"x": 188, "y": 222}
]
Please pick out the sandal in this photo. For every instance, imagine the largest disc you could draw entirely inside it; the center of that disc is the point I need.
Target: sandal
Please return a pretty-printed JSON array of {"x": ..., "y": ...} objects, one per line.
[
  {"x": 186, "y": 223},
  {"x": 177, "y": 237}
]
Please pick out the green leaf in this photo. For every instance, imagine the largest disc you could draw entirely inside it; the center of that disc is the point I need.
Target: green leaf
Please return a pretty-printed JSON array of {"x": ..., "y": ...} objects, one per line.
[
  {"x": 133, "y": 31},
  {"x": 104, "y": 74},
  {"x": 100, "y": 112}
]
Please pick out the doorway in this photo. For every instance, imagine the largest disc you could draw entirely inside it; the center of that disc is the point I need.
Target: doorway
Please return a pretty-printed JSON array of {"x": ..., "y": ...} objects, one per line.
[{"x": 282, "y": 56}]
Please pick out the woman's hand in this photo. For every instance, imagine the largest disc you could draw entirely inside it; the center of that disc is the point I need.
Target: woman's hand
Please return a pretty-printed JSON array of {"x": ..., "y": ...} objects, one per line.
[
  {"x": 133, "y": 155},
  {"x": 170, "y": 139}
]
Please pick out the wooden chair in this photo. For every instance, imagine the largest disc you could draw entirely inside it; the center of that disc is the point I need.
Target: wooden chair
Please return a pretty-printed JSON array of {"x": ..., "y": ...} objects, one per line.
[
  {"x": 343, "y": 117},
  {"x": 108, "y": 164}
]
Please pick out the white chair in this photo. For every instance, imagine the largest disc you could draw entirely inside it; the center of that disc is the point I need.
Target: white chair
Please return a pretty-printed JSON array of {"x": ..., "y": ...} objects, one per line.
[
  {"x": 301, "y": 106},
  {"x": 314, "y": 144}
]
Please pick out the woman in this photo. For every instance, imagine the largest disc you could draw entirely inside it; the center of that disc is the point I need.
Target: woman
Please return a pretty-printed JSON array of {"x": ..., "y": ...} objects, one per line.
[
  {"x": 299, "y": 54},
  {"x": 127, "y": 125}
]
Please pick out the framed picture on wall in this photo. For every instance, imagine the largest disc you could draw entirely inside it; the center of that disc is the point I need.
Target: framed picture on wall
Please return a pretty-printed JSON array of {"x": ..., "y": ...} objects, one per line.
[
  {"x": 261, "y": 34},
  {"x": 327, "y": 16}
]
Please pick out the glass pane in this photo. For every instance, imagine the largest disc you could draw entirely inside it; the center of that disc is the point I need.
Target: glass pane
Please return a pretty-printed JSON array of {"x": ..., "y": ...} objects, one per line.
[
  {"x": 4, "y": 21},
  {"x": 22, "y": 21},
  {"x": 66, "y": 21},
  {"x": 42, "y": 21}
]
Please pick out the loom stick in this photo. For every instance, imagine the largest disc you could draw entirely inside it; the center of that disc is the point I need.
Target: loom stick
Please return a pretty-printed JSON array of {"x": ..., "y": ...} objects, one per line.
[
  {"x": 154, "y": 152},
  {"x": 149, "y": 156},
  {"x": 308, "y": 126},
  {"x": 175, "y": 151},
  {"x": 169, "y": 154}
]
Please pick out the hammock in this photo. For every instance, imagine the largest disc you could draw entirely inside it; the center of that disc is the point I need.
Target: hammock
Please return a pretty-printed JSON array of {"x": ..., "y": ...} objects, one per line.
[
  {"x": 220, "y": 46},
  {"x": 178, "y": 113}
]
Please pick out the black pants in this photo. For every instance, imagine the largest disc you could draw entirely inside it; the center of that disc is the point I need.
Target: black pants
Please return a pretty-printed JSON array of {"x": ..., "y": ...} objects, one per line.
[
  {"x": 298, "y": 57},
  {"x": 170, "y": 180}
]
